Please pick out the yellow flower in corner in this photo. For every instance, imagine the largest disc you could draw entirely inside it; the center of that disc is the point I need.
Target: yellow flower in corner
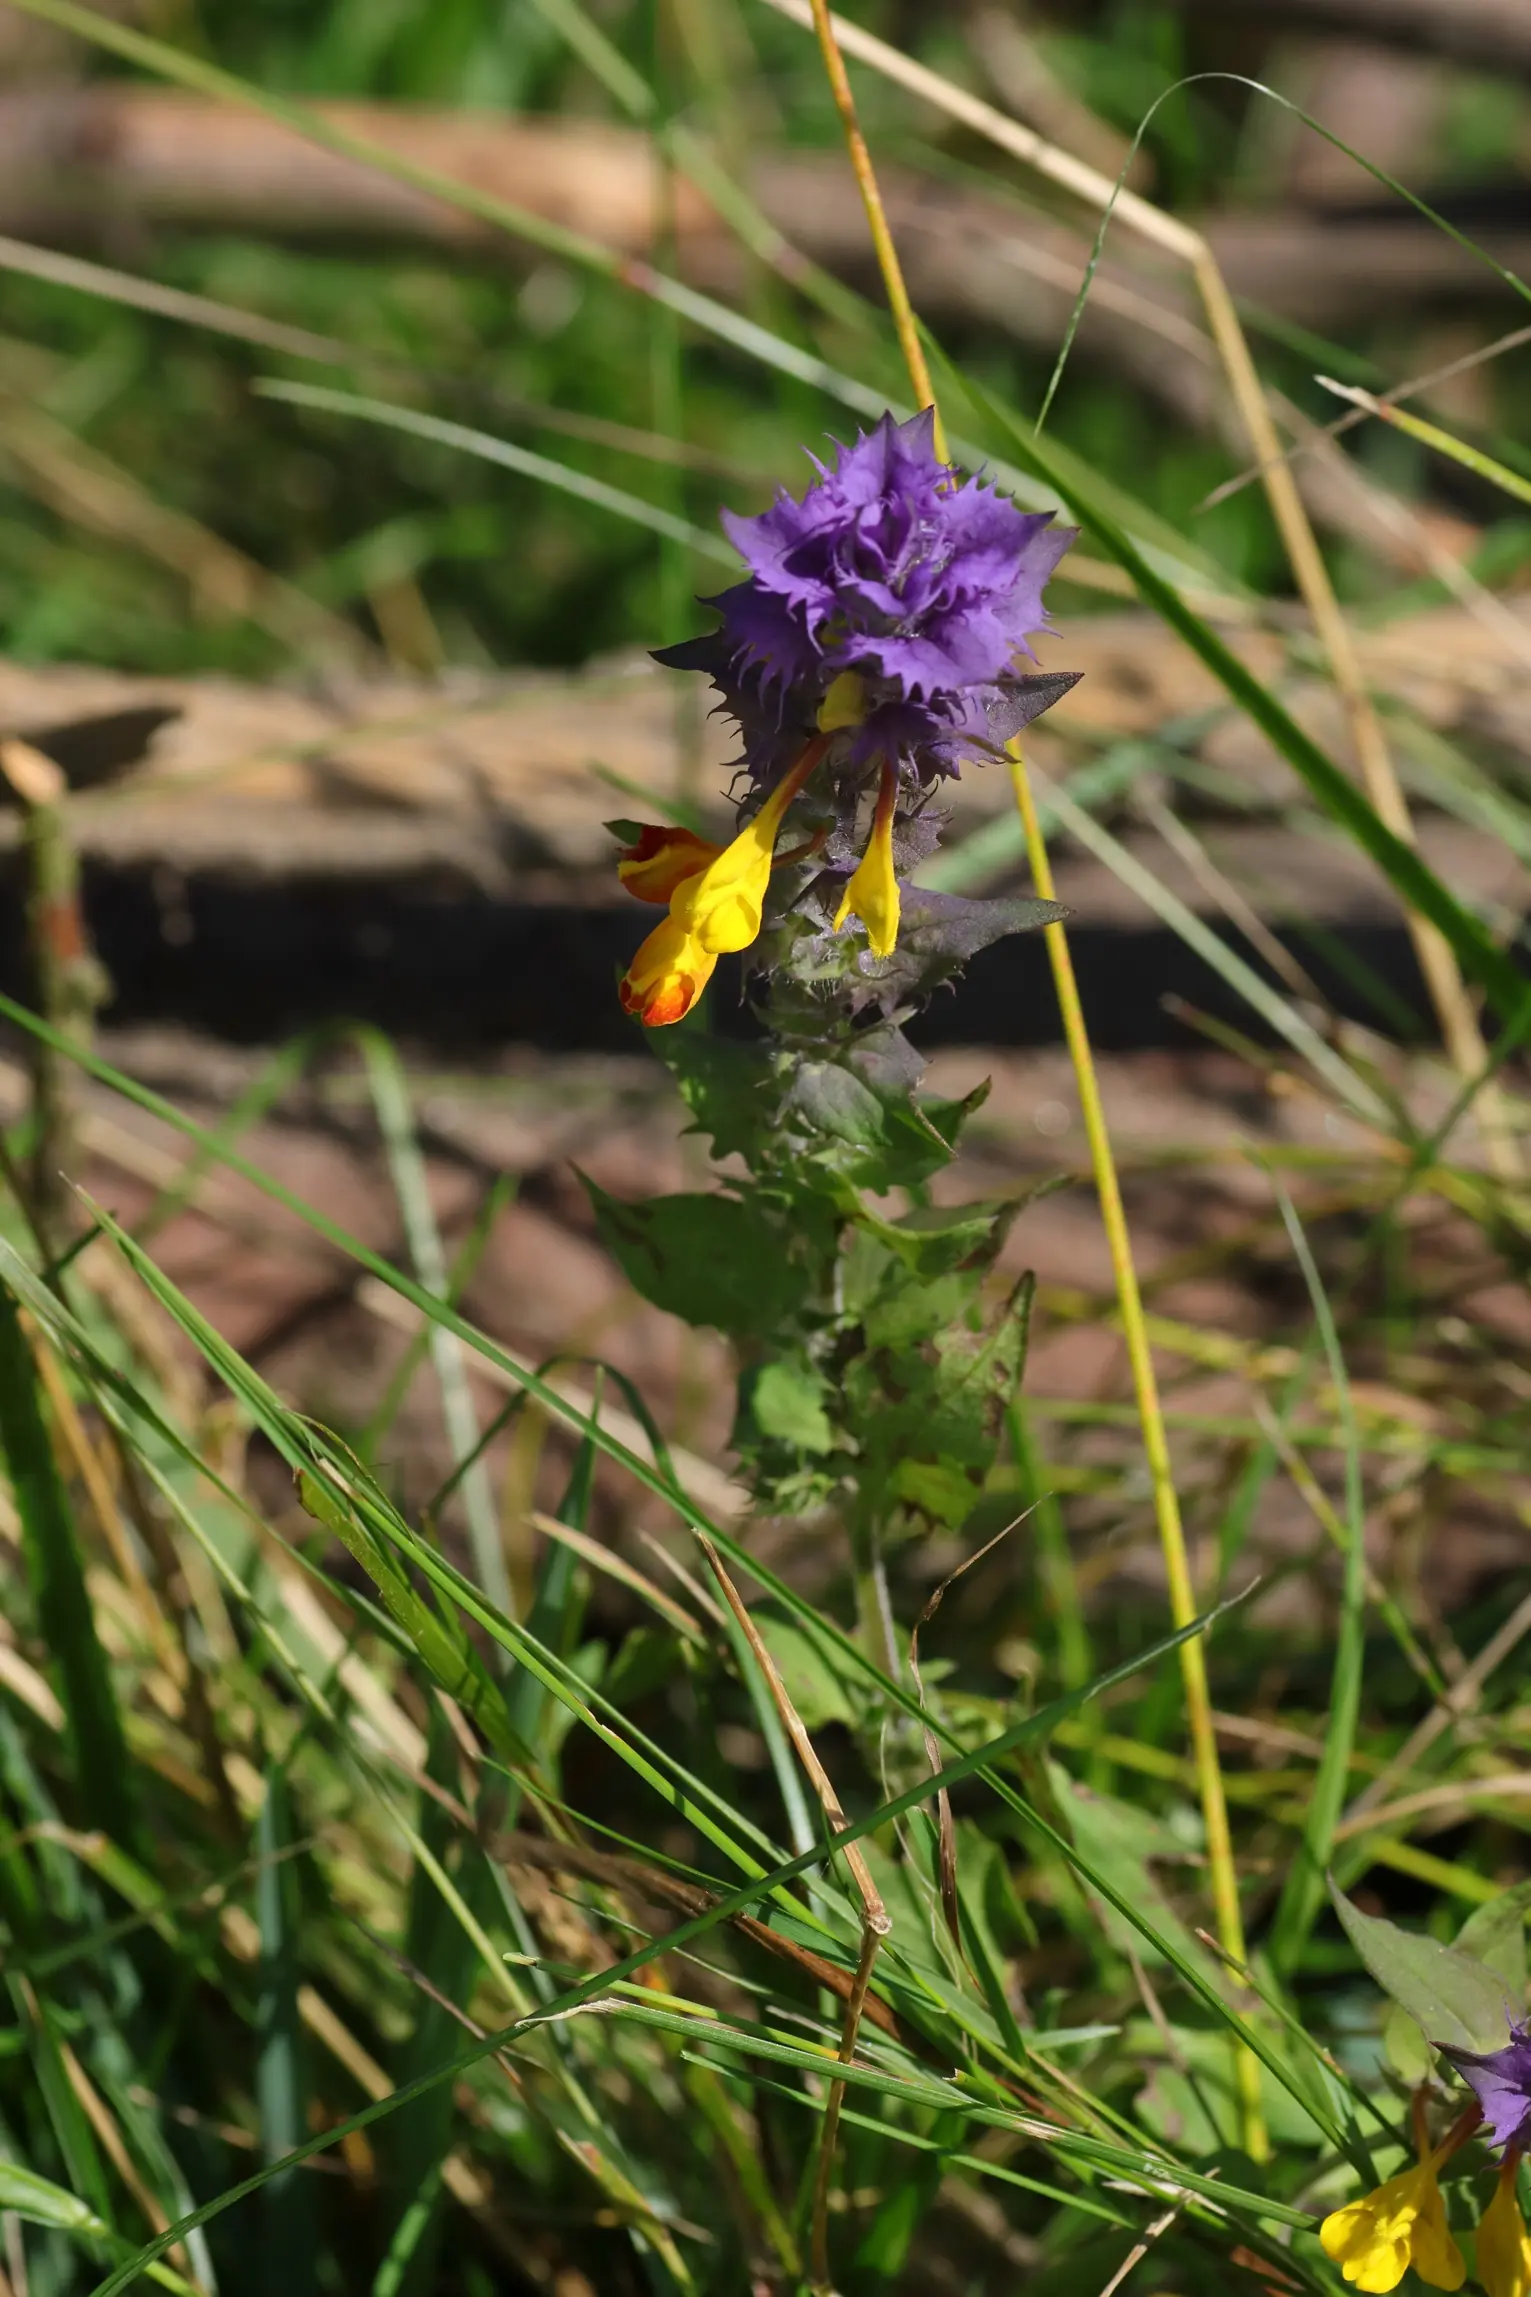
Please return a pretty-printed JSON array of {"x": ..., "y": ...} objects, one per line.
[
  {"x": 872, "y": 894},
  {"x": 1503, "y": 2244},
  {"x": 1375, "y": 2240}
]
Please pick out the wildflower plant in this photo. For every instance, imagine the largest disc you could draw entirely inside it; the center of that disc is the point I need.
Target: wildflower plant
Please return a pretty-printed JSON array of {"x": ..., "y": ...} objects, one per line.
[
  {"x": 1458, "y": 2011},
  {"x": 878, "y": 646}
]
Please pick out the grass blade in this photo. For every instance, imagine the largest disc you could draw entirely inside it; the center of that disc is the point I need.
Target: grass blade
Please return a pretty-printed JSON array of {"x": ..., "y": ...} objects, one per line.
[
  {"x": 1411, "y": 877},
  {"x": 56, "y": 1569},
  {"x": 287, "y": 2227},
  {"x": 1303, "y": 1893},
  {"x": 395, "y": 1115}
]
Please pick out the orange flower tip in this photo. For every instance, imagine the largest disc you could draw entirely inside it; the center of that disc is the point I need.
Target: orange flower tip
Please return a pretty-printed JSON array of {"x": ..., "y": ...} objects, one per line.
[
  {"x": 657, "y": 1005},
  {"x": 666, "y": 977}
]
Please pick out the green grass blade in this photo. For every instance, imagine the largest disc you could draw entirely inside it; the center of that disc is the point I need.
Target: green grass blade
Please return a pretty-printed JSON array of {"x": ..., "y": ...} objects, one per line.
[
  {"x": 37, "y": 2201},
  {"x": 1194, "y": 931},
  {"x": 1033, "y": 1728},
  {"x": 1415, "y": 882},
  {"x": 557, "y": 1605},
  {"x": 1431, "y": 435},
  {"x": 715, "y": 319},
  {"x": 390, "y": 1094},
  {"x": 56, "y": 1570},
  {"x": 439, "y": 1312},
  {"x": 287, "y": 2216},
  {"x": 1303, "y": 1892},
  {"x": 523, "y": 460},
  {"x": 409, "y": 2236}
]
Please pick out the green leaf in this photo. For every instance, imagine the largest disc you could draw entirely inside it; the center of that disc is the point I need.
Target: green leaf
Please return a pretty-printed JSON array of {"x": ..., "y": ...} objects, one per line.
[
  {"x": 1405, "y": 2047},
  {"x": 928, "y": 1406},
  {"x": 722, "y": 1084},
  {"x": 941, "y": 1488},
  {"x": 1495, "y": 1935},
  {"x": 1453, "y": 1999},
  {"x": 1125, "y": 1845},
  {"x": 812, "y": 1685},
  {"x": 935, "y": 1239},
  {"x": 1302, "y": 1894},
  {"x": 709, "y": 1259},
  {"x": 786, "y": 1403},
  {"x": 902, "y": 1139}
]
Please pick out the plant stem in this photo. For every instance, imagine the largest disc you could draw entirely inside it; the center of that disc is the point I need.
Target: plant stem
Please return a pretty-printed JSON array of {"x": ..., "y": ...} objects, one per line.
[
  {"x": 1193, "y": 1666},
  {"x": 906, "y": 326},
  {"x": 68, "y": 983}
]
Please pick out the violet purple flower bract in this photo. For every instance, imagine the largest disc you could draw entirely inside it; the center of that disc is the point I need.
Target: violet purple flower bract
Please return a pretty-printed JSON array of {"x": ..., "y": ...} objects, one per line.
[
  {"x": 928, "y": 587},
  {"x": 1501, "y": 2080}
]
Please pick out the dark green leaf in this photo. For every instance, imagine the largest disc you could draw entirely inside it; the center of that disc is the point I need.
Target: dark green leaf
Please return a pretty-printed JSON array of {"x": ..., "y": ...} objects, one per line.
[
  {"x": 724, "y": 1085},
  {"x": 1495, "y": 1935},
  {"x": 1453, "y": 1999},
  {"x": 786, "y": 1402},
  {"x": 718, "y": 1260}
]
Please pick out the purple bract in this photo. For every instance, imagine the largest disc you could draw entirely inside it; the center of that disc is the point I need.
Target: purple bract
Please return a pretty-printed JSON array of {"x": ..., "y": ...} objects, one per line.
[
  {"x": 925, "y": 585},
  {"x": 1502, "y": 2081}
]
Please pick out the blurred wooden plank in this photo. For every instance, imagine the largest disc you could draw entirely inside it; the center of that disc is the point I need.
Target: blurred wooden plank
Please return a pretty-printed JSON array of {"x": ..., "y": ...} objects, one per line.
[
  {"x": 504, "y": 781},
  {"x": 84, "y": 164},
  {"x": 1493, "y": 33}
]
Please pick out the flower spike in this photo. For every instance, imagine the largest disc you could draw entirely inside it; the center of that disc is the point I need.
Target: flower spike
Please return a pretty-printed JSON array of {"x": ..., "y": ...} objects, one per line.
[
  {"x": 884, "y": 625},
  {"x": 872, "y": 894}
]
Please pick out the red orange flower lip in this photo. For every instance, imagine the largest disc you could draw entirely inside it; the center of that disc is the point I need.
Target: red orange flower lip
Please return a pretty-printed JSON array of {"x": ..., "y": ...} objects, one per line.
[
  {"x": 667, "y": 976},
  {"x": 662, "y": 858}
]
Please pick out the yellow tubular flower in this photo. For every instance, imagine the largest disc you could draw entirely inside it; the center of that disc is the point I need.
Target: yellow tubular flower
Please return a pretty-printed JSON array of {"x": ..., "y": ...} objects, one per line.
[
  {"x": 1375, "y": 2240},
  {"x": 667, "y": 976},
  {"x": 721, "y": 907},
  {"x": 845, "y": 703},
  {"x": 872, "y": 894},
  {"x": 1503, "y": 2246},
  {"x": 662, "y": 859}
]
